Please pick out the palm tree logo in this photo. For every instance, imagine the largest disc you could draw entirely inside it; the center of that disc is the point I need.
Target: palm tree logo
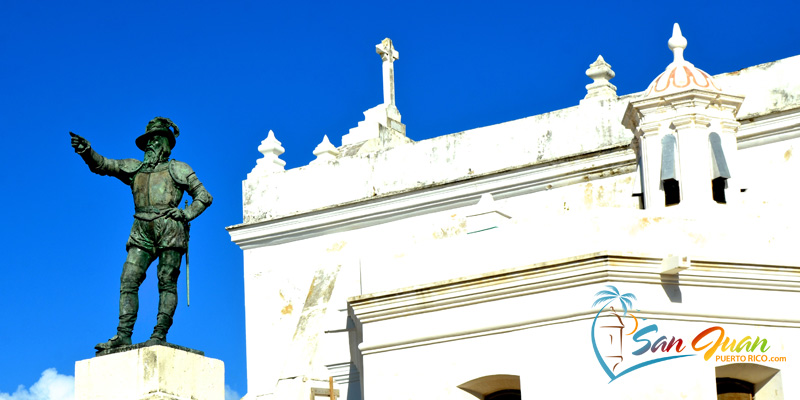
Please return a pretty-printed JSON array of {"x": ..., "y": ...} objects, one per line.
[
  {"x": 613, "y": 331},
  {"x": 613, "y": 347},
  {"x": 613, "y": 294}
]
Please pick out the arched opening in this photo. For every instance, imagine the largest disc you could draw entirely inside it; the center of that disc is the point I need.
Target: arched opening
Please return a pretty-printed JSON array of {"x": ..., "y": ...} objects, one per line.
[
  {"x": 506, "y": 394},
  {"x": 734, "y": 389},
  {"x": 494, "y": 387},
  {"x": 747, "y": 381}
]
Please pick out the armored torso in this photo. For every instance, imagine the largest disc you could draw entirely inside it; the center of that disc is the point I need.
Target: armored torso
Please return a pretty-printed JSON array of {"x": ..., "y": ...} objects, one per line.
[{"x": 154, "y": 191}]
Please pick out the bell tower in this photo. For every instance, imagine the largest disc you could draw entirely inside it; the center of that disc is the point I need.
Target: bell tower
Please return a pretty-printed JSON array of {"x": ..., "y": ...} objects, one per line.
[{"x": 685, "y": 137}]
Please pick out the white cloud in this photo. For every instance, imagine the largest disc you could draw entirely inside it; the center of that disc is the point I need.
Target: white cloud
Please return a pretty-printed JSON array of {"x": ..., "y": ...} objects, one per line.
[
  {"x": 51, "y": 386},
  {"x": 230, "y": 394}
]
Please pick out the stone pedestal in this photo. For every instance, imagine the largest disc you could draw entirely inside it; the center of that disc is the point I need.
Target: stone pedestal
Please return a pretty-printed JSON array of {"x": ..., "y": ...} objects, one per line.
[{"x": 150, "y": 373}]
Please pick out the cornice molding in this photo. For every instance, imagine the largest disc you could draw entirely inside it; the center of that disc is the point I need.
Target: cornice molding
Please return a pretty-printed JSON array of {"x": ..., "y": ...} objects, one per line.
[
  {"x": 515, "y": 181},
  {"x": 584, "y": 270},
  {"x": 770, "y": 128},
  {"x": 368, "y": 348}
]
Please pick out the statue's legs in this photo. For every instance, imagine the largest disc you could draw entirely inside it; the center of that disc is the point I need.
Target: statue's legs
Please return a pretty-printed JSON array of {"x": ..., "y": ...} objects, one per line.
[
  {"x": 133, "y": 274},
  {"x": 169, "y": 264}
]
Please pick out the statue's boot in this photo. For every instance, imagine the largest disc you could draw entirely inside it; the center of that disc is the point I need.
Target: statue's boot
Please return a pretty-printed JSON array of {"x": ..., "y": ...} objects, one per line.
[
  {"x": 133, "y": 273},
  {"x": 156, "y": 341},
  {"x": 128, "y": 308},
  {"x": 159, "y": 336},
  {"x": 168, "y": 270},
  {"x": 116, "y": 341}
]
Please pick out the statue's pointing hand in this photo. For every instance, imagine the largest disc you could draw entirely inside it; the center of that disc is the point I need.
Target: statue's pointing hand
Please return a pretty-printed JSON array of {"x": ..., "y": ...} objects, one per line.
[{"x": 79, "y": 143}]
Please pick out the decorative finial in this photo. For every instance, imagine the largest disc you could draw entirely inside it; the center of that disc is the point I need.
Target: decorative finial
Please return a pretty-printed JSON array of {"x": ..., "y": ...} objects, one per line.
[
  {"x": 600, "y": 71},
  {"x": 680, "y": 74},
  {"x": 325, "y": 151},
  {"x": 677, "y": 43},
  {"x": 271, "y": 148}
]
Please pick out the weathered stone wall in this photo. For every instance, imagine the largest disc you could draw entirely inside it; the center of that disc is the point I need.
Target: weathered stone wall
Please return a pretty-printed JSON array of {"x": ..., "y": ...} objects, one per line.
[
  {"x": 396, "y": 221},
  {"x": 437, "y": 161},
  {"x": 592, "y": 125}
]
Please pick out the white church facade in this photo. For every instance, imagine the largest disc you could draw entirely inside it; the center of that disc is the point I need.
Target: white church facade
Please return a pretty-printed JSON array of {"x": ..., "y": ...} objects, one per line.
[{"x": 611, "y": 250}]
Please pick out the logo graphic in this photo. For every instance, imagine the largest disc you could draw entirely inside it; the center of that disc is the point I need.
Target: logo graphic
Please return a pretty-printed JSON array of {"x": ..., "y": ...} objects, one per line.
[{"x": 608, "y": 335}]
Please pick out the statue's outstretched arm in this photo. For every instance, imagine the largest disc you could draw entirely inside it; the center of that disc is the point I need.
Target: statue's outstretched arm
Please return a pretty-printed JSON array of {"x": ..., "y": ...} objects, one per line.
[{"x": 120, "y": 169}]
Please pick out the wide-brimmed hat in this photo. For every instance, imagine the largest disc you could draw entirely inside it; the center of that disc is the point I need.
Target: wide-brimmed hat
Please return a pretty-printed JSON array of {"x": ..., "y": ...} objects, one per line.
[{"x": 159, "y": 126}]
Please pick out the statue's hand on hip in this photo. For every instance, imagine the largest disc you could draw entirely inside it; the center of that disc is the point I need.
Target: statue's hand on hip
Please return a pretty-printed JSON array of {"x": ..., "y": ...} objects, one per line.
[
  {"x": 79, "y": 143},
  {"x": 177, "y": 214}
]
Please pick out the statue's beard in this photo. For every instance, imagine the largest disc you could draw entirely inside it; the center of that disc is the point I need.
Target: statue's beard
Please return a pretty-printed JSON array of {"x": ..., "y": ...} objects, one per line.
[{"x": 153, "y": 156}]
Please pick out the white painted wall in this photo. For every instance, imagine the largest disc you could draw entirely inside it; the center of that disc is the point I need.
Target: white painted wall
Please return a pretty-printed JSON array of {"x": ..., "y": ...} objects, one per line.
[{"x": 389, "y": 224}]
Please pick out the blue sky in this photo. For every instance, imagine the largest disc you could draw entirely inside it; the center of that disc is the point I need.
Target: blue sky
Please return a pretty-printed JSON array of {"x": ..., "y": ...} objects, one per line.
[{"x": 229, "y": 72}]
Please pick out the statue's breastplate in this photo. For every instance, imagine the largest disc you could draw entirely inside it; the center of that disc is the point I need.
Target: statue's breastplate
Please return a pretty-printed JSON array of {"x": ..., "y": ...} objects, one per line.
[{"x": 155, "y": 190}]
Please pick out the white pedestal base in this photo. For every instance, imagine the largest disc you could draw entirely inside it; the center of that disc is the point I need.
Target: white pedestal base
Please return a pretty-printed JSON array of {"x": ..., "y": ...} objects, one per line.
[{"x": 150, "y": 373}]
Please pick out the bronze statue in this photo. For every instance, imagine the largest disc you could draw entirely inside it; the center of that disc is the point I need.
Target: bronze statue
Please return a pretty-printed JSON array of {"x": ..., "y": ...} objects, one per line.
[{"x": 160, "y": 228}]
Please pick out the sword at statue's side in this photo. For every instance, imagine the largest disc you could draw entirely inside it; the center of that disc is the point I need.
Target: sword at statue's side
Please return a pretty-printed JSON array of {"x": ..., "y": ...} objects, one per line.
[{"x": 188, "y": 225}]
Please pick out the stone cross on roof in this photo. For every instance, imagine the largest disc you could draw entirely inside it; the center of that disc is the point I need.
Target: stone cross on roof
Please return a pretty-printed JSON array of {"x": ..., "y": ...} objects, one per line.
[{"x": 388, "y": 55}]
